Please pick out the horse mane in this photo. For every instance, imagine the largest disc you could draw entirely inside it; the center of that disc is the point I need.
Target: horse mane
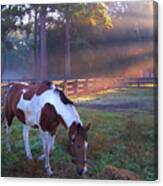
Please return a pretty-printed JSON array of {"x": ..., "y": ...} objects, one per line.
[
  {"x": 47, "y": 83},
  {"x": 63, "y": 97}
]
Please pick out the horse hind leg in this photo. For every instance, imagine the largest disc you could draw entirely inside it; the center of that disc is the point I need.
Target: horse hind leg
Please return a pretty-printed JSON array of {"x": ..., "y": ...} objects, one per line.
[
  {"x": 8, "y": 121},
  {"x": 8, "y": 131}
]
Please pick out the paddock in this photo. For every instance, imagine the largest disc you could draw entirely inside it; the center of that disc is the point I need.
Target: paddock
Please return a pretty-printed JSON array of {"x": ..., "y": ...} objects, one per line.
[{"x": 121, "y": 135}]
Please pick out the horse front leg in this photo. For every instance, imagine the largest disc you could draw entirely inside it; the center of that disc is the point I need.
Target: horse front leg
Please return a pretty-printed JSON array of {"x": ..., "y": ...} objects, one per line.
[
  {"x": 43, "y": 139},
  {"x": 47, "y": 140},
  {"x": 26, "y": 130}
]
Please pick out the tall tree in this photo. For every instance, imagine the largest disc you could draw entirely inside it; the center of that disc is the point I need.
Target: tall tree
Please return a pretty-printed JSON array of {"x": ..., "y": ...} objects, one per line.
[
  {"x": 36, "y": 49},
  {"x": 67, "y": 43},
  {"x": 43, "y": 44},
  {"x": 93, "y": 14},
  {"x": 71, "y": 15},
  {"x": 11, "y": 20}
]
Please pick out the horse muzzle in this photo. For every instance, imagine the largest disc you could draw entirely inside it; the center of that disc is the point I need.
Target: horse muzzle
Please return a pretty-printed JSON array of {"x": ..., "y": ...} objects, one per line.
[{"x": 82, "y": 171}]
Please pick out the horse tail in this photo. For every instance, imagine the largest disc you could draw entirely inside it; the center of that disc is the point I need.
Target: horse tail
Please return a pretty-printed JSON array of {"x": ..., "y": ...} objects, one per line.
[
  {"x": 6, "y": 113},
  {"x": 4, "y": 92}
]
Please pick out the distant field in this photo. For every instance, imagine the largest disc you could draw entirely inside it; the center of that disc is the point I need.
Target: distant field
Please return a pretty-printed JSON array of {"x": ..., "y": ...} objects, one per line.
[{"x": 121, "y": 135}]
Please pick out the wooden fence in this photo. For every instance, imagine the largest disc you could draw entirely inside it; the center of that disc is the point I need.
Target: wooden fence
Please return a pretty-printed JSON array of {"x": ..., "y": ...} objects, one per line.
[
  {"x": 140, "y": 82},
  {"x": 91, "y": 86},
  {"x": 85, "y": 86},
  {"x": 76, "y": 87}
]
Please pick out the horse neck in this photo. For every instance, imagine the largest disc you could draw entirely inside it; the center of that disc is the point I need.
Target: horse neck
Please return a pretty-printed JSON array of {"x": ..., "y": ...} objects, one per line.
[
  {"x": 72, "y": 129},
  {"x": 70, "y": 115}
]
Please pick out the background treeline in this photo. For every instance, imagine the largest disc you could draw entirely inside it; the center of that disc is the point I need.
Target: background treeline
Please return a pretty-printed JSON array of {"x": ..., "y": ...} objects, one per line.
[{"x": 75, "y": 40}]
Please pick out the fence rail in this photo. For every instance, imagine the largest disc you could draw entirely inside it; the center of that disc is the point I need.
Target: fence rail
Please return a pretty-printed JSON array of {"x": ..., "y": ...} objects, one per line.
[{"x": 75, "y": 87}]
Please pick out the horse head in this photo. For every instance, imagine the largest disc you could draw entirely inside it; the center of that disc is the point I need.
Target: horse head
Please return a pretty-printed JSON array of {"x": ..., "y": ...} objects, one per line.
[{"x": 78, "y": 145}]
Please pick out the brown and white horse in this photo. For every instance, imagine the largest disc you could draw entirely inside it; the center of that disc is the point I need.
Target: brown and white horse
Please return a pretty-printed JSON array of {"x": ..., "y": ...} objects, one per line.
[{"x": 43, "y": 106}]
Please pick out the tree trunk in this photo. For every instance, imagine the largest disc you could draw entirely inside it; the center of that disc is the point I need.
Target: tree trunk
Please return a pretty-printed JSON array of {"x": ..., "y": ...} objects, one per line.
[
  {"x": 36, "y": 61},
  {"x": 67, "y": 48},
  {"x": 43, "y": 47},
  {"x": 3, "y": 66}
]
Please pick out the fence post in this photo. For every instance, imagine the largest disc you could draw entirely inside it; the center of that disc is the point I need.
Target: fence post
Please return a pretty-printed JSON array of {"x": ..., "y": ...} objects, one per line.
[
  {"x": 138, "y": 83},
  {"x": 75, "y": 87},
  {"x": 65, "y": 86},
  {"x": 86, "y": 85},
  {"x": 95, "y": 85}
]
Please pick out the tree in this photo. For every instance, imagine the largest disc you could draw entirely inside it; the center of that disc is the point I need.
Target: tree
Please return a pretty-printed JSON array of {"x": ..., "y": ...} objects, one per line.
[
  {"x": 69, "y": 15},
  {"x": 11, "y": 19},
  {"x": 36, "y": 47},
  {"x": 43, "y": 43},
  {"x": 93, "y": 14}
]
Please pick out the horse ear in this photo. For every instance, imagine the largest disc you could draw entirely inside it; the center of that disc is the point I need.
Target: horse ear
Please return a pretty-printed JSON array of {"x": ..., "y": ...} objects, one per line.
[{"x": 88, "y": 126}]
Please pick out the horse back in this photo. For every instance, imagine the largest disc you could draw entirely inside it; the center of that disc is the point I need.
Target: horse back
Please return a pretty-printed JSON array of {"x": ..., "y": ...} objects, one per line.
[
  {"x": 13, "y": 95},
  {"x": 28, "y": 91}
]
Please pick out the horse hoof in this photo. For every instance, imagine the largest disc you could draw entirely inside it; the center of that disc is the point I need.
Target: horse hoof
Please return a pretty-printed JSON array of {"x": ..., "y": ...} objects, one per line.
[
  {"x": 49, "y": 173},
  {"x": 41, "y": 158},
  {"x": 29, "y": 157}
]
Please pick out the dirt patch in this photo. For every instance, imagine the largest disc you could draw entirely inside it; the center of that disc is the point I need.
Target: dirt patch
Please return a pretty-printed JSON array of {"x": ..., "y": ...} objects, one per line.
[
  {"x": 122, "y": 101},
  {"x": 115, "y": 173},
  {"x": 115, "y": 107}
]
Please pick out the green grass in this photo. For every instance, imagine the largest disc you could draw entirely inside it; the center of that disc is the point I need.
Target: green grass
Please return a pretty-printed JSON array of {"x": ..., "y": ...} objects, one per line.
[{"x": 123, "y": 140}]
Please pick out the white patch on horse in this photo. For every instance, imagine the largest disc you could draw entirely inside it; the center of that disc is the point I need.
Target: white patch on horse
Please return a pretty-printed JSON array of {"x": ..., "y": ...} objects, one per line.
[
  {"x": 24, "y": 83},
  {"x": 32, "y": 108},
  {"x": 10, "y": 86},
  {"x": 86, "y": 145},
  {"x": 24, "y": 90},
  {"x": 35, "y": 105},
  {"x": 53, "y": 86},
  {"x": 67, "y": 111},
  {"x": 85, "y": 156}
]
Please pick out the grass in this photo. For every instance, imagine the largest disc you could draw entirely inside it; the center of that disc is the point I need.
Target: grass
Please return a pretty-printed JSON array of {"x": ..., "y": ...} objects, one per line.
[{"x": 121, "y": 139}]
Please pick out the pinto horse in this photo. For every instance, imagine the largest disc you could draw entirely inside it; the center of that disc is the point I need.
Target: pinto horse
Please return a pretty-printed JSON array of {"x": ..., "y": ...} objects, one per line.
[{"x": 43, "y": 106}]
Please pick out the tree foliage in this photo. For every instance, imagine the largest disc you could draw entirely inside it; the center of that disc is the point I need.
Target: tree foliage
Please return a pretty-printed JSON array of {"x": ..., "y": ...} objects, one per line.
[
  {"x": 11, "y": 18},
  {"x": 77, "y": 15}
]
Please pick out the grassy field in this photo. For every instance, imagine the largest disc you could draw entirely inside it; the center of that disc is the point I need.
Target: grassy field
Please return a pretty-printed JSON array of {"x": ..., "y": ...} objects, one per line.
[{"x": 123, "y": 138}]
